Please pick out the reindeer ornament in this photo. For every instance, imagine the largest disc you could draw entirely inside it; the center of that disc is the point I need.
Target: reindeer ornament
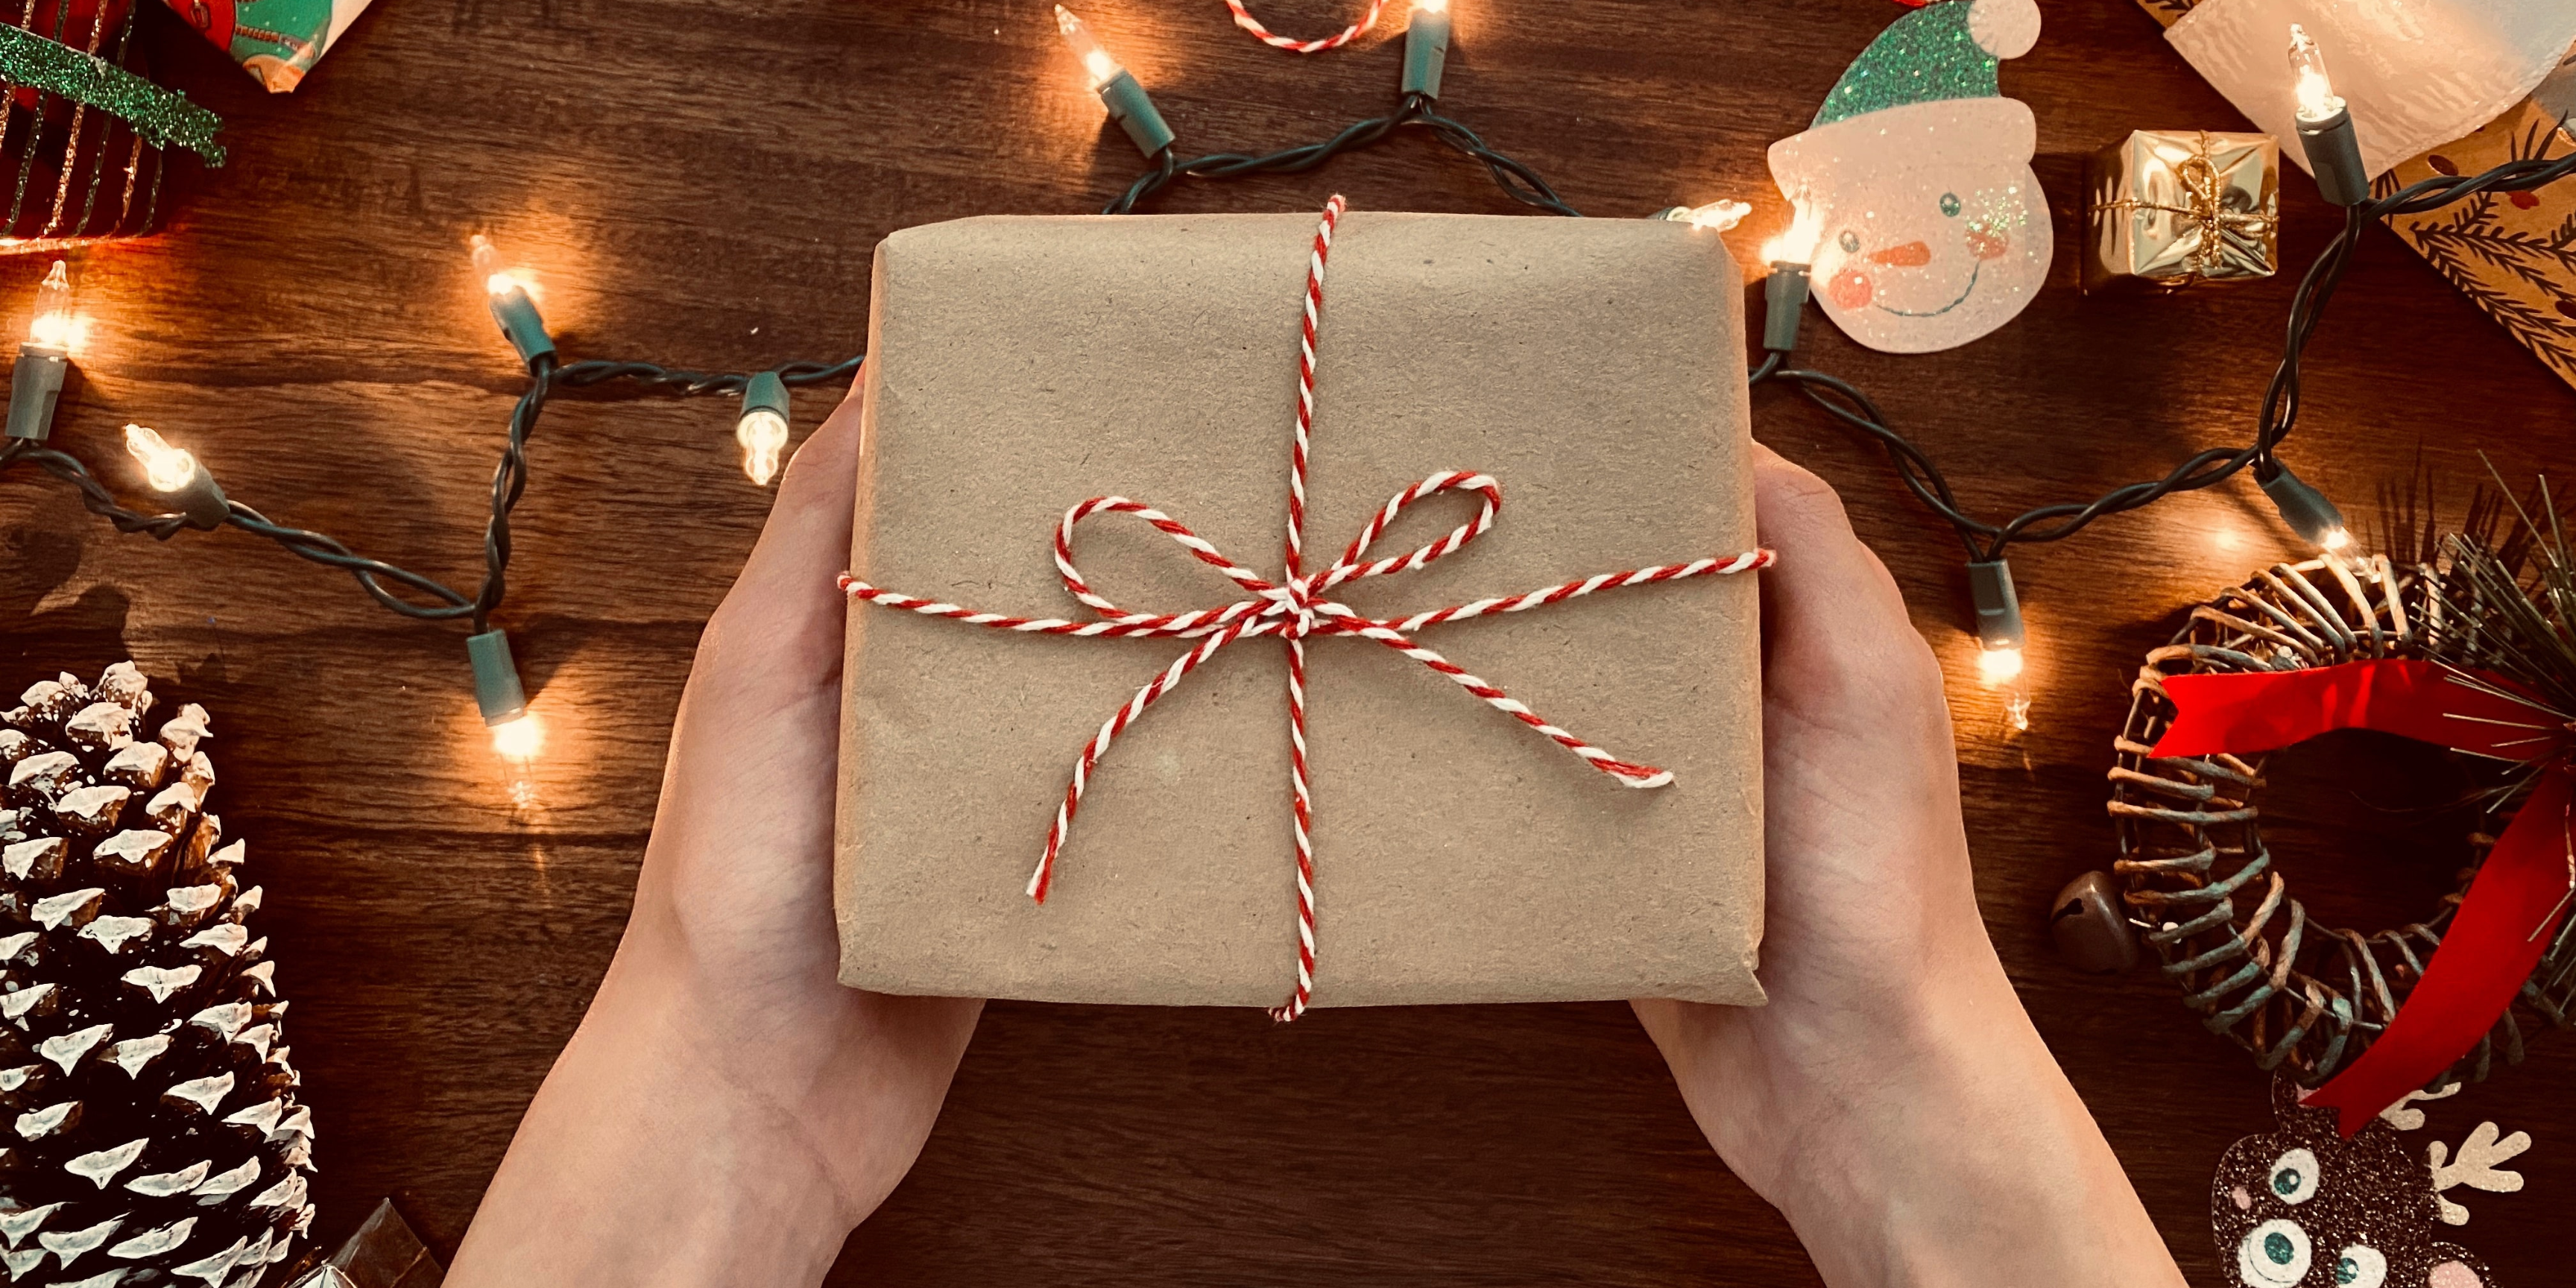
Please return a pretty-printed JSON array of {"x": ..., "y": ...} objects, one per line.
[{"x": 2302, "y": 1207}]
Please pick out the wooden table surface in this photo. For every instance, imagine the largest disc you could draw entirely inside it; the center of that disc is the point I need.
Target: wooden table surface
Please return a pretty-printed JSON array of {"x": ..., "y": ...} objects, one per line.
[{"x": 702, "y": 183}]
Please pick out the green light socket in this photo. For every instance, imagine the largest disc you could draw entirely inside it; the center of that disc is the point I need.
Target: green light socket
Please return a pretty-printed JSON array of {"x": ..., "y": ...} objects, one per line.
[
  {"x": 2334, "y": 156},
  {"x": 2316, "y": 519},
  {"x": 34, "y": 386},
  {"x": 496, "y": 677},
  {"x": 1990, "y": 588},
  {"x": 764, "y": 392},
  {"x": 1784, "y": 301},
  {"x": 203, "y": 502},
  {"x": 1134, "y": 111},
  {"x": 1426, "y": 51},
  {"x": 520, "y": 325}
]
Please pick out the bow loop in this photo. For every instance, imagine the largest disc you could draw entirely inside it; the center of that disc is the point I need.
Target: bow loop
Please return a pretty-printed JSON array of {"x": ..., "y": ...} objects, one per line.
[
  {"x": 1349, "y": 567},
  {"x": 1128, "y": 622}
]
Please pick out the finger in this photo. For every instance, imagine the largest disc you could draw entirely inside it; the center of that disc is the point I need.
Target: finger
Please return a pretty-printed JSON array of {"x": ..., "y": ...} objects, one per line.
[
  {"x": 1830, "y": 604},
  {"x": 1826, "y": 579},
  {"x": 783, "y": 610}
]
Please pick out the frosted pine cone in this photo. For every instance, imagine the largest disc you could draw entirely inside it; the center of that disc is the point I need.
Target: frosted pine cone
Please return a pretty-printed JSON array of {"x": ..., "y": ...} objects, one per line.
[{"x": 152, "y": 1136}]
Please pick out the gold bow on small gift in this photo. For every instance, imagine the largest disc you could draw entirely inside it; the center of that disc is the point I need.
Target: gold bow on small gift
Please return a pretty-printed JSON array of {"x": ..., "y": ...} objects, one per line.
[{"x": 2173, "y": 207}]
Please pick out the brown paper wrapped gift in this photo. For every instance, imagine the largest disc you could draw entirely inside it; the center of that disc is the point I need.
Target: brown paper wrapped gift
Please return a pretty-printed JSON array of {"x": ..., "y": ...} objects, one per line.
[{"x": 1022, "y": 365}]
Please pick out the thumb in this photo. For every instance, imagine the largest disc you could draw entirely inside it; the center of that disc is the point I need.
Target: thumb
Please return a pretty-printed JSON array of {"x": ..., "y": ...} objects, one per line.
[
  {"x": 1832, "y": 613},
  {"x": 1827, "y": 581}
]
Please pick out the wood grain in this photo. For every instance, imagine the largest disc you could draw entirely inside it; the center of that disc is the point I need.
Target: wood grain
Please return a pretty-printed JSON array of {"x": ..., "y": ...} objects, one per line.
[{"x": 702, "y": 183}]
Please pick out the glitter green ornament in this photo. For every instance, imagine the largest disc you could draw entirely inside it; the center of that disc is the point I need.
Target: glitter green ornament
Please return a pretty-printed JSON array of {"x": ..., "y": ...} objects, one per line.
[
  {"x": 1919, "y": 219},
  {"x": 161, "y": 117},
  {"x": 1926, "y": 55}
]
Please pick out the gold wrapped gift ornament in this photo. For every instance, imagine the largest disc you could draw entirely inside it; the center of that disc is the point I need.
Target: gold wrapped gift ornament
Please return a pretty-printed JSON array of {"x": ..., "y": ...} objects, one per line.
[{"x": 2174, "y": 207}]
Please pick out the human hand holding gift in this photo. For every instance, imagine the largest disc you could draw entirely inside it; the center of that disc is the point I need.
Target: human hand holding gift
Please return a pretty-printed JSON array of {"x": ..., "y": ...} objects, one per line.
[
  {"x": 728, "y": 1111},
  {"x": 1892, "y": 1099}
]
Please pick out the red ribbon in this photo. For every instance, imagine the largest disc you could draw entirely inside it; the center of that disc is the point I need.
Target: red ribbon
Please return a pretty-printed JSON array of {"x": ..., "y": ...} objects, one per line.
[{"x": 2522, "y": 891}]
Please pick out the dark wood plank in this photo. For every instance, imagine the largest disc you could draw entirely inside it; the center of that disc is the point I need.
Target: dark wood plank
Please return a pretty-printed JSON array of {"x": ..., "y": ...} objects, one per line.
[{"x": 703, "y": 183}]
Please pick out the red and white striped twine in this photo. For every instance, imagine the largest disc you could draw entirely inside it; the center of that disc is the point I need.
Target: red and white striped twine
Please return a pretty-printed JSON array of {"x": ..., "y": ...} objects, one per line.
[
  {"x": 1243, "y": 18},
  {"x": 1294, "y": 609}
]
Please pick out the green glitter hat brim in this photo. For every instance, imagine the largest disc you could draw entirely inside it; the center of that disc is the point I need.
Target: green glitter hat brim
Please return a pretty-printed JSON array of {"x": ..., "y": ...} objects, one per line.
[
  {"x": 1925, "y": 56},
  {"x": 164, "y": 118}
]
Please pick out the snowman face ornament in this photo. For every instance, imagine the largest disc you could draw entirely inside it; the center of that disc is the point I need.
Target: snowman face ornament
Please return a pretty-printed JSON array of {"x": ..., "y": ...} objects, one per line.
[
  {"x": 1916, "y": 177},
  {"x": 1933, "y": 229}
]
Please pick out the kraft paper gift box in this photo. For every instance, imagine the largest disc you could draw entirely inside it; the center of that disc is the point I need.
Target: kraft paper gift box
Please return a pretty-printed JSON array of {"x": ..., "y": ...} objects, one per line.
[{"x": 1021, "y": 365}]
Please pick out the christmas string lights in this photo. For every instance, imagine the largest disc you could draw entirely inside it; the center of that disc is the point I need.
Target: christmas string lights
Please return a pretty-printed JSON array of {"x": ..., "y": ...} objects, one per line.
[
  {"x": 2325, "y": 125},
  {"x": 174, "y": 473},
  {"x": 190, "y": 497},
  {"x": 1426, "y": 48},
  {"x": 44, "y": 358},
  {"x": 2326, "y": 131},
  {"x": 1126, "y": 100},
  {"x": 762, "y": 427}
]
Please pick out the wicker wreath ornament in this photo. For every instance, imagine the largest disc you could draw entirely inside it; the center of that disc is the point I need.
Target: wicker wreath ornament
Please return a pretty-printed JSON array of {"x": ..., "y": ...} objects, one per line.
[{"x": 2304, "y": 997}]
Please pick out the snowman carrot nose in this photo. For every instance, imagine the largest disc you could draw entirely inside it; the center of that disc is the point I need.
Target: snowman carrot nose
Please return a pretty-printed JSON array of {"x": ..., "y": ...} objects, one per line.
[{"x": 1913, "y": 254}]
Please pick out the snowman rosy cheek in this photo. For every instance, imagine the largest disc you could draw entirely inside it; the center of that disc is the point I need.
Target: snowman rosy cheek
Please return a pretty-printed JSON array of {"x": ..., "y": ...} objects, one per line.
[
  {"x": 1849, "y": 288},
  {"x": 1988, "y": 244}
]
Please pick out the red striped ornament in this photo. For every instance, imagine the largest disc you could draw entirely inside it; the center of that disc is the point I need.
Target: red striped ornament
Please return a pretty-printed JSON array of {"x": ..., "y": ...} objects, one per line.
[{"x": 1294, "y": 609}]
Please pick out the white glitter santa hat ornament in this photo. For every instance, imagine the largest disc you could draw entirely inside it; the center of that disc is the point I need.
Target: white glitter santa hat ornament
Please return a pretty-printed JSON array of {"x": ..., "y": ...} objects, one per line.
[{"x": 1915, "y": 179}]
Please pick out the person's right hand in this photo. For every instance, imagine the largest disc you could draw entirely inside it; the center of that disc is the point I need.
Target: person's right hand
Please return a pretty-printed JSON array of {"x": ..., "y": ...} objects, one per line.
[
  {"x": 728, "y": 1111},
  {"x": 1893, "y": 1099}
]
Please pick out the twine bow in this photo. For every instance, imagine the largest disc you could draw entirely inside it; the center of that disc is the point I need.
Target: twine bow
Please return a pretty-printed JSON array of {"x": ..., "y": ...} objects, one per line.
[{"x": 1294, "y": 609}]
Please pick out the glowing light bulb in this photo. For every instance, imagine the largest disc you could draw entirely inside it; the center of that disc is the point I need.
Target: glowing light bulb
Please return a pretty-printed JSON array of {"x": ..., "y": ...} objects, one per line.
[
  {"x": 487, "y": 261},
  {"x": 1716, "y": 216},
  {"x": 2317, "y": 100},
  {"x": 519, "y": 738},
  {"x": 36, "y": 381},
  {"x": 763, "y": 435},
  {"x": 1999, "y": 665},
  {"x": 51, "y": 325},
  {"x": 512, "y": 297},
  {"x": 500, "y": 279},
  {"x": 1431, "y": 6},
  {"x": 1096, "y": 61},
  {"x": 168, "y": 469},
  {"x": 2337, "y": 538},
  {"x": 1796, "y": 244}
]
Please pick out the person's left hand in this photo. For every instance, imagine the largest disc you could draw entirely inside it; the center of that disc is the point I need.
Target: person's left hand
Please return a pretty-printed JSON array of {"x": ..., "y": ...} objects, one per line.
[{"x": 728, "y": 1111}]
